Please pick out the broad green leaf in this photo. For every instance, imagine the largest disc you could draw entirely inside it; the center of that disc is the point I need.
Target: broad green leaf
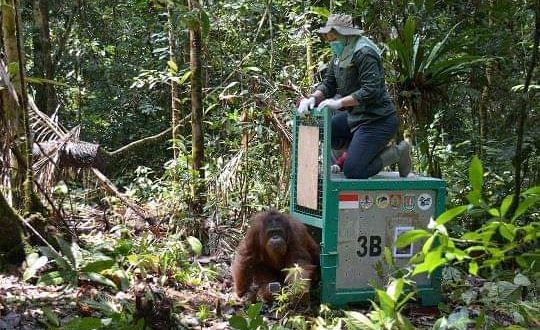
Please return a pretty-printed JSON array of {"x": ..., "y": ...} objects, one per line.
[
  {"x": 185, "y": 77},
  {"x": 420, "y": 268},
  {"x": 33, "y": 265},
  {"x": 172, "y": 66},
  {"x": 459, "y": 320},
  {"x": 205, "y": 23},
  {"x": 99, "y": 265},
  {"x": 476, "y": 174},
  {"x": 358, "y": 320},
  {"x": 411, "y": 236},
  {"x": 388, "y": 258},
  {"x": 57, "y": 278},
  {"x": 434, "y": 259},
  {"x": 451, "y": 214},
  {"x": 468, "y": 296},
  {"x": 456, "y": 253},
  {"x": 441, "y": 324},
  {"x": 494, "y": 212},
  {"x": 394, "y": 289},
  {"x": 427, "y": 244},
  {"x": 252, "y": 68},
  {"x": 51, "y": 316},
  {"x": 404, "y": 323},
  {"x": 473, "y": 268},
  {"x": 60, "y": 190},
  {"x": 475, "y": 197},
  {"x": 254, "y": 310},
  {"x": 238, "y": 322},
  {"x": 507, "y": 231},
  {"x": 195, "y": 244},
  {"x": 69, "y": 250},
  {"x": 386, "y": 303},
  {"x": 502, "y": 290},
  {"x": 98, "y": 278},
  {"x": 522, "y": 280},
  {"x": 524, "y": 205},
  {"x": 532, "y": 191},
  {"x": 320, "y": 11},
  {"x": 505, "y": 205},
  {"x": 61, "y": 262}
]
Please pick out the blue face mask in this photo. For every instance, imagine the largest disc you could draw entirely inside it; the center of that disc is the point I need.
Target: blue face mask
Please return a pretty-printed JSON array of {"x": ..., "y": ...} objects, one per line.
[{"x": 337, "y": 47}]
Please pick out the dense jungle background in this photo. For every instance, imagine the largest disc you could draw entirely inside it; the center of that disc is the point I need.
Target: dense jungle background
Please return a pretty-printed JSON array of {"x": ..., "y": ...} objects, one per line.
[{"x": 139, "y": 136}]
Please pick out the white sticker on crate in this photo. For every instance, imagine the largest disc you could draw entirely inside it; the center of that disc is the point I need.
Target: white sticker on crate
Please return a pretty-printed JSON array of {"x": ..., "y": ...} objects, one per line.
[{"x": 406, "y": 251}]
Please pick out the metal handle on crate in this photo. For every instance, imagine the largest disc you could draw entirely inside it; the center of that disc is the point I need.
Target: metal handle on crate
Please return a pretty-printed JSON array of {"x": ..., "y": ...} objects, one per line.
[{"x": 318, "y": 112}]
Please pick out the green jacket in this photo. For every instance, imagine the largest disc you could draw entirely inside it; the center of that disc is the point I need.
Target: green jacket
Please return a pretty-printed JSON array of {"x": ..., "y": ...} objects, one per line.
[{"x": 359, "y": 72}]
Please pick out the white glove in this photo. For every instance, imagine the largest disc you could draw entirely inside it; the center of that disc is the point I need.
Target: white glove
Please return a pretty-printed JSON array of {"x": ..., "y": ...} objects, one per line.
[
  {"x": 331, "y": 104},
  {"x": 306, "y": 104},
  {"x": 335, "y": 169}
]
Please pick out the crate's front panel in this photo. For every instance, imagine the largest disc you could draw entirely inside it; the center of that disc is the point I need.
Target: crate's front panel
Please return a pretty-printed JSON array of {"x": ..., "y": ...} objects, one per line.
[
  {"x": 372, "y": 219},
  {"x": 306, "y": 177}
]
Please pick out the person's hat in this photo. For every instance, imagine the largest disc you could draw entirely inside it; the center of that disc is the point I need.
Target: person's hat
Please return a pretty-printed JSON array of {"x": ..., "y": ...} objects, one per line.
[{"x": 342, "y": 24}]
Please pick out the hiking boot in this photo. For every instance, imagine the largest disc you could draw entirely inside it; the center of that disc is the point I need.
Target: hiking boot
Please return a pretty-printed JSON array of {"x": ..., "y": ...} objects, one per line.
[
  {"x": 404, "y": 163},
  {"x": 400, "y": 154}
]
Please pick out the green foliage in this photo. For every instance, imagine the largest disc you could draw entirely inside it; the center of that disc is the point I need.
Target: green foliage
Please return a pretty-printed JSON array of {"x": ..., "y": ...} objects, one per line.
[
  {"x": 294, "y": 294},
  {"x": 251, "y": 319},
  {"x": 386, "y": 313},
  {"x": 73, "y": 264},
  {"x": 503, "y": 238},
  {"x": 422, "y": 71}
]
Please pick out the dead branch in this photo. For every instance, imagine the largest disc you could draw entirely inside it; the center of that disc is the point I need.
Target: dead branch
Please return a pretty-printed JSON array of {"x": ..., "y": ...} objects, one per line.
[{"x": 107, "y": 184}]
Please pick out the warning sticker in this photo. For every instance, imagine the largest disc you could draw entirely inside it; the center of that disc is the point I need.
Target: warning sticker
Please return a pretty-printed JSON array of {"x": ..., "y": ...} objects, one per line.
[
  {"x": 395, "y": 201},
  {"x": 406, "y": 251},
  {"x": 425, "y": 201},
  {"x": 366, "y": 201},
  {"x": 382, "y": 201},
  {"x": 349, "y": 201},
  {"x": 409, "y": 202}
]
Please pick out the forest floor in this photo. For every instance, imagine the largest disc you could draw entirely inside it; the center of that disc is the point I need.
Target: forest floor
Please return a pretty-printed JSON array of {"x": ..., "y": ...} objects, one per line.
[
  {"x": 28, "y": 306},
  {"x": 195, "y": 292}
]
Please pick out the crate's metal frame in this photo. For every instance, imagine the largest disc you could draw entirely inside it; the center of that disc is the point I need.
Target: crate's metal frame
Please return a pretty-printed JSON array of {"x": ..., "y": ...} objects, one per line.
[{"x": 326, "y": 217}]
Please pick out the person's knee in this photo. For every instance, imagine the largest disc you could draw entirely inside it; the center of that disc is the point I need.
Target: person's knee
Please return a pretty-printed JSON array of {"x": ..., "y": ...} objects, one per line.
[{"x": 355, "y": 171}]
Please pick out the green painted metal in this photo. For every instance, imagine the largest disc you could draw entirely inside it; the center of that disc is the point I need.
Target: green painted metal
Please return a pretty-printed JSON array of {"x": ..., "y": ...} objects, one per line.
[{"x": 326, "y": 218}]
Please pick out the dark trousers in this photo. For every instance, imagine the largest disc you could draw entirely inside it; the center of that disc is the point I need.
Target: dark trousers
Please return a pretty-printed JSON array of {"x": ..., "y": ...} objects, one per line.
[{"x": 365, "y": 143}]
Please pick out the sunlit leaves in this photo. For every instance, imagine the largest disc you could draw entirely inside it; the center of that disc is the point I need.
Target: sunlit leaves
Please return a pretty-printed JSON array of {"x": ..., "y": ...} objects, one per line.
[
  {"x": 33, "y": 263},
  {"x": 476, "y": 174},
  {"x": 411, "y": 236},
  {"x": 451, "y": 214}
]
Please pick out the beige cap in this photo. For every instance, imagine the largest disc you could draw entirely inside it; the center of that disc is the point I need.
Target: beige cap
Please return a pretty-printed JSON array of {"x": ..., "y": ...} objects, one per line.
[{"x": 342, "y": 24}]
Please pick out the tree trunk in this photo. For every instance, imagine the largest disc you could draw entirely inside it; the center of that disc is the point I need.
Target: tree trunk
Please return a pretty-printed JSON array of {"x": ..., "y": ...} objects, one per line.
[
  {"x": 518, "y": 160},
  {"x": 43, "y": 67},
  {"x": 196, "y": 114},
  {"x": 175, "y": 112},
  {"x": 11, "y": 244},
  {"x": 12, "y": 116}
]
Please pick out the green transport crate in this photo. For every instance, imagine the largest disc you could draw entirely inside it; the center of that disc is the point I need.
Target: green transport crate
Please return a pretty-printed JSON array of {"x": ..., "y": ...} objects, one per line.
[{"x": 355, "y": 219}]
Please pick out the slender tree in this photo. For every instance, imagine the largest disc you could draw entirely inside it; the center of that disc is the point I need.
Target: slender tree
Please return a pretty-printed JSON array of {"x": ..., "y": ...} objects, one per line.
[
  {"x": 195, "y": 38},
  {"x": 13, "y": 114},
  {"x": 43, "y": 65},
  {"x": 524, "y": 104},
  {"x": 175, "y": 111}
]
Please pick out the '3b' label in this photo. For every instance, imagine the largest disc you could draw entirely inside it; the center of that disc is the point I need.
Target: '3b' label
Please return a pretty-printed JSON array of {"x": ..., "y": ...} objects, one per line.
[{"x": 369, "y": 245}]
